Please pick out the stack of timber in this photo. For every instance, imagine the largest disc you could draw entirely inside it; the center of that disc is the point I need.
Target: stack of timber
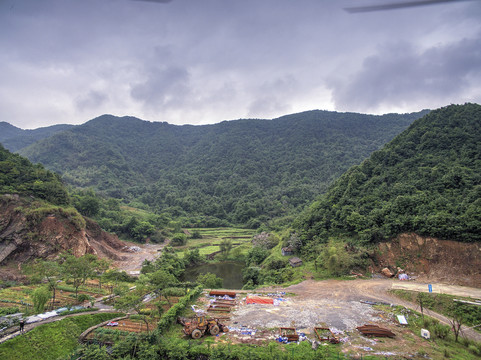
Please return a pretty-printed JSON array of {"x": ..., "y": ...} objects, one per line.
[
  {"x": 231, "y": 294},
  {"x": 375, "y": 330},
  {"x": 221, "y": 305}
]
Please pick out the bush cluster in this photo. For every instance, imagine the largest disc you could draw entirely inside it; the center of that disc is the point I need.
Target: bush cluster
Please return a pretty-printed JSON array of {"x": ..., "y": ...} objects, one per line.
[{"x": 170, "y": 316}]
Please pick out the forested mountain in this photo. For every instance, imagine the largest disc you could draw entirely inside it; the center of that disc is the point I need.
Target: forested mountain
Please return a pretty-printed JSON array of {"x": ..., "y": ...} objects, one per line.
[
  {"x": 243, "y": 171},
  {"x": 427, "y": 180},
  {"x": 14, "y": 138}
]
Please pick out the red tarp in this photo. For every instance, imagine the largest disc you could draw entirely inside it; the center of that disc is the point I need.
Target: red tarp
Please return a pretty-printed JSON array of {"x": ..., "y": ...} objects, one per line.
[{"x": 259, "y": 300}]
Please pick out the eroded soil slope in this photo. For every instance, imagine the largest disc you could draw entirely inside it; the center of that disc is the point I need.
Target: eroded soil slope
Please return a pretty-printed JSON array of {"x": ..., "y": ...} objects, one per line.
[
  {"x": 22, "y": 239},
  {"x": 431, "y": 259}
]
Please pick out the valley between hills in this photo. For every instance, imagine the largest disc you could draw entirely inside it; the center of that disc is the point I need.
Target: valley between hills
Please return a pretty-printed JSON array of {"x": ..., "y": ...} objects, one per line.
[{"x": 322, "y": 212}]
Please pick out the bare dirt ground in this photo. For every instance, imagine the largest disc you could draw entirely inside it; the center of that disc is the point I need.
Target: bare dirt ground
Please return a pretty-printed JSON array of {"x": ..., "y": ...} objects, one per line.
[
  {"x": 131, "y": 262},
  {"x": 336, "y": 304}
]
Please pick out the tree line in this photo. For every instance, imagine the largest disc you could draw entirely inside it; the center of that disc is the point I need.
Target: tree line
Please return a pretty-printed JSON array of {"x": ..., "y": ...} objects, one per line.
[{"x": 237, "y": 172}]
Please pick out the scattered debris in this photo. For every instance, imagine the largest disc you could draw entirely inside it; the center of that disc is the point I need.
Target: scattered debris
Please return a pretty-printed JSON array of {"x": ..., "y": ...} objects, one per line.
[
  {"x": 403, "y": 277},
  {"x": 387, "y": 273},
  {"x": 402, "y": 320},
  {"x": 425, "y": 334},
  {"x": 289, "y": 333},
  {"x": 355, "y": 274},
  {"x": 368, "y": 302}
]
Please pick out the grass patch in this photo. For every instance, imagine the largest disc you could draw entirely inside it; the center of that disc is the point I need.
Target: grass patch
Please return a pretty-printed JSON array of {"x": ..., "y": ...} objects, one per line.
[
  {"x": 51, "y": 341},
  {"x": 441, "y": 341},
  {"x": 441, "y": 304}
]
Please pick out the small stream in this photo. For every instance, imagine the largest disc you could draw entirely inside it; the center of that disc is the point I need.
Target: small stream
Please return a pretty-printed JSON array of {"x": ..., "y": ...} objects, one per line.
[{"x": 229, "y": 271}]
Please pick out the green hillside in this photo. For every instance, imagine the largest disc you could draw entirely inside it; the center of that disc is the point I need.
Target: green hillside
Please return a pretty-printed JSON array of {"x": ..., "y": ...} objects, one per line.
[
  {"x": 427, "y": 180},
  {"x": 20, "y": 176},
  {"x": 14, "y": 138},
  {"x": 244, "y": 171}
]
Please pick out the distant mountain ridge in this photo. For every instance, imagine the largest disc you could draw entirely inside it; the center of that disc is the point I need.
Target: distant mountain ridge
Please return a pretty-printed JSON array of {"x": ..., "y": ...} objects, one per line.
[
  {"x": 427, "y": 181},
  {"x": 14, "y": 138},
  {"x": 242, "y": 171}
]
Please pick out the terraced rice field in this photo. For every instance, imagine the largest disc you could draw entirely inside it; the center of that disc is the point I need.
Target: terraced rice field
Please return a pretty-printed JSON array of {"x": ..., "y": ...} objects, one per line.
[{"x": 212, "y": 237}]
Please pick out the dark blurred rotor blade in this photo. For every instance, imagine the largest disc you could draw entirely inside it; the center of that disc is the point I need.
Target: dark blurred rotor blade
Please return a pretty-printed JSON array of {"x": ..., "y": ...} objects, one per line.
[{"x": 397, "y": 5}]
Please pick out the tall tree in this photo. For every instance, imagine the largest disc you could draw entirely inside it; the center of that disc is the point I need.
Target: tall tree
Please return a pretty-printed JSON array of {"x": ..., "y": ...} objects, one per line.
[
  {"x": 79, "y": 269},
  {"x": 50, "y": 271},
  {"x": 133, "y": 300}
]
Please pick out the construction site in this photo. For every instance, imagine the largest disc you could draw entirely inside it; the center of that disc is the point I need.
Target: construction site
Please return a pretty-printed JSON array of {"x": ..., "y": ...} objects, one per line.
[{"x": 359, "y": 316}]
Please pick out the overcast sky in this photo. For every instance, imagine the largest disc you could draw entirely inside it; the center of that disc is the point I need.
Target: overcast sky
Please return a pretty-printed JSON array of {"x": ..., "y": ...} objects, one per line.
[{"x": 205, "y": 61}]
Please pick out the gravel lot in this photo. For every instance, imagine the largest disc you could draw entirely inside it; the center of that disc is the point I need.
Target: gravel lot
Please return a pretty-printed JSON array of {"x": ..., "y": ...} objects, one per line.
[{"x": 306, "y": 314}]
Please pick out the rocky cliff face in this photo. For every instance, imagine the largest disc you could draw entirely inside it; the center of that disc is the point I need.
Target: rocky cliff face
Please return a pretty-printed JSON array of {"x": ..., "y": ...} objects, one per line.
[
  {"x": 22, "y": 240},
  {"x": 451, "y": 262}
]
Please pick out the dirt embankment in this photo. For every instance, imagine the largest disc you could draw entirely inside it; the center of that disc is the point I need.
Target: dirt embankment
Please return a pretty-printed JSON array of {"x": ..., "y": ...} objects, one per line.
[
  {"x": 22, "y": 240},
  {"x": 431, "y": 259}
]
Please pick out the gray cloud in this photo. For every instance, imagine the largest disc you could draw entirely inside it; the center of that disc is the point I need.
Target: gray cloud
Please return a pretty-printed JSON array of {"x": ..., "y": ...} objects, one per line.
[
  {"x": 93, "y": 99},
  {"x": 191, "y": 61},
  {"x": 163, "y": 87},
  {"x": 401, "y": 74}
]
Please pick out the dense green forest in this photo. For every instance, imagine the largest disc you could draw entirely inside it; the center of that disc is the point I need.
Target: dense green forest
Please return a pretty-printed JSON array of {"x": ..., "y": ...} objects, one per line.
[
  {"x": 236, "y": 172},
  {"x": 427, "y": 180},
  {"x": 18, "y": 175},
  {"x": 14, "y": 138}
]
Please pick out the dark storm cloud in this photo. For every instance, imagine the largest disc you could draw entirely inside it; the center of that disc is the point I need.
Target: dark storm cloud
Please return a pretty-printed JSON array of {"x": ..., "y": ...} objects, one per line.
[{"x": 402, "y": 74}]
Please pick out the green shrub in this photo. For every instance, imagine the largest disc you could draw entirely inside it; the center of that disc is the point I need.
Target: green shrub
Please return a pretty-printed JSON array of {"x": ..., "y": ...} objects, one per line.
[
  {"x": 40, "y": 297},
  {"x": 276, "y": 264},
  {"x": 441, "y": 331},
  {"x": 475, "y": 349},
  {"x": 173, "y": 291},
  {"x": 9, "y": 310},
  {"x": 210, "y": 281},
  {"x": 196, "y": 234},
  {"x": 84, "y": 297},
  {"x": 170, "y": 316},
  {"x": 178, "y": 239}
]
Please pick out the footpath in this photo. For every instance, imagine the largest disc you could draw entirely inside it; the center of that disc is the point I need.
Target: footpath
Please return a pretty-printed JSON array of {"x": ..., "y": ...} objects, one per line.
[{"x": 37, "y": 321}]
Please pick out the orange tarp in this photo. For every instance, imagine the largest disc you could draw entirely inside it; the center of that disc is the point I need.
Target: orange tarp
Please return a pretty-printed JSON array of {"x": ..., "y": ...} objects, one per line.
[{"x": 259, "y": 300}]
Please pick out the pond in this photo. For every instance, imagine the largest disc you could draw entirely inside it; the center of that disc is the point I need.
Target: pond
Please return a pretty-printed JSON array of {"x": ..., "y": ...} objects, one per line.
[{"x": 229, "y": 271}]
